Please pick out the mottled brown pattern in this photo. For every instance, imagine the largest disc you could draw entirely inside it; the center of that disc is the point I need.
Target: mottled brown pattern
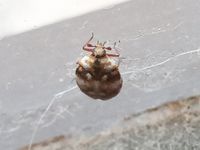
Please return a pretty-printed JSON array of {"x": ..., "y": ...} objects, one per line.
[
  {"x": 97, "y": 74},
  {"x": 105, "y": 88}
]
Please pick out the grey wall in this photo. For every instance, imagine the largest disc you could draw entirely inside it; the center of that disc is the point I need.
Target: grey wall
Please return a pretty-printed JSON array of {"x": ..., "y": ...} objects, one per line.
[{"x": 160, "y": 44}]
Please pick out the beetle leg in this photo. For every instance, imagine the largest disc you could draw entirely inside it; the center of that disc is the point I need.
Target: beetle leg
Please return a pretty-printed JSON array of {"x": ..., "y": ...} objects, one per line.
[
  {"x": 89, "y": 47},
  {"x": 113, "y": 55},
  {"x": 104, "y": 43},
  {"x": 116, "y": 51},
  {"x": 114, "y": 45},
  {"x": 108, "y": 48}
]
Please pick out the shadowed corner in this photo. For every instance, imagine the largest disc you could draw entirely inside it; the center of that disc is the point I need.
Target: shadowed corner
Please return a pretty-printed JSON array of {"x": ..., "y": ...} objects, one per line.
[{"x": 175, "y": 124}]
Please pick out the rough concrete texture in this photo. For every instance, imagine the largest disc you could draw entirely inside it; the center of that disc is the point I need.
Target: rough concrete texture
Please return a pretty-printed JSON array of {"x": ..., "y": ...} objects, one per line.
[
  {"x": 160, "y": 44},
  {"x": 172, "y": 126}
]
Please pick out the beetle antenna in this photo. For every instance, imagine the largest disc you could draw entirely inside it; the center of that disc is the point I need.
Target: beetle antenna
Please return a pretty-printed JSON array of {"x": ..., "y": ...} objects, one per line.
[
  {"x": 87, "y": 46},
  {"x": 91, "y": 37},
  {"x": 115, "y": 45}
]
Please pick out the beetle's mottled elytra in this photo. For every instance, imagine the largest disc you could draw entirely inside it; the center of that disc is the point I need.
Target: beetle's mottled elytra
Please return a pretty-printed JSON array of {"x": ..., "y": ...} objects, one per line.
[{"x": 97, "y": 74}]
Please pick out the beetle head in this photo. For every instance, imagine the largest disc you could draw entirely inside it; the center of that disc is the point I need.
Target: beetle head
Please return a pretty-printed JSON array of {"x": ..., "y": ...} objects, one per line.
[{"x": 99, "y": 50}]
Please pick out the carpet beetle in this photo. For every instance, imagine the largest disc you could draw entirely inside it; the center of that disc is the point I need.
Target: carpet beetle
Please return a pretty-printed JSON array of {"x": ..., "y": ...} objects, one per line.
[{"x": 97, "y": 74}]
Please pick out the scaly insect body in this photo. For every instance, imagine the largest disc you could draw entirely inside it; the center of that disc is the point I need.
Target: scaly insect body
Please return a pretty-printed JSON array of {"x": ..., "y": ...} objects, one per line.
[{"x": 97, "y": 75}]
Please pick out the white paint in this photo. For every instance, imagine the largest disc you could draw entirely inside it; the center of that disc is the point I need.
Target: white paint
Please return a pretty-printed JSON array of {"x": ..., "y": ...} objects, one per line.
[{"x": 22, "y": 15}]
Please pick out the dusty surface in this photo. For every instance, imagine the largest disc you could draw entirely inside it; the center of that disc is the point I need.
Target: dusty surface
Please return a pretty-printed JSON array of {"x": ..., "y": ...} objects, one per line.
[
  {"x": 173, "y": 126},
  {"x": 160, "y": 43}
]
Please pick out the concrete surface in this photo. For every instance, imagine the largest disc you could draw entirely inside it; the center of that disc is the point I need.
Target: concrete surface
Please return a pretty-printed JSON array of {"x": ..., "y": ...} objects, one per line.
[
  {"x": 173, "y": 126},
  {"x": 160, "y": 43}
]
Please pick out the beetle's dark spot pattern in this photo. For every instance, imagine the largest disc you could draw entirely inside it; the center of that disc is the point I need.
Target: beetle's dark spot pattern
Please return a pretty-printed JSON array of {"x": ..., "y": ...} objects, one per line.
[
  {"x": 97, "y": 74},
  {"x": 106, "y": 88},
  {"x": 112, "y": 76}
]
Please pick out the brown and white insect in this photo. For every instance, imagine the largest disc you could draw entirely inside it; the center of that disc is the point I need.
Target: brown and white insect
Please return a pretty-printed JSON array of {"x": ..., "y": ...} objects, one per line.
[{"x": 97, "y": 74}]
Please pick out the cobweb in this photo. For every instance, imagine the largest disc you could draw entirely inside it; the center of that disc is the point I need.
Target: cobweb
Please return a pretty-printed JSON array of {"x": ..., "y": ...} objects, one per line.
[
  {"x": 160, "y": 57},
  {"x": 131, "y": 71}
]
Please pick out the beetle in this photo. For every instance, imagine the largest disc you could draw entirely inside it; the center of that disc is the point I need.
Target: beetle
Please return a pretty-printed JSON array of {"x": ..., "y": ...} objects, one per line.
[{"x": 97, "y": 74}]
